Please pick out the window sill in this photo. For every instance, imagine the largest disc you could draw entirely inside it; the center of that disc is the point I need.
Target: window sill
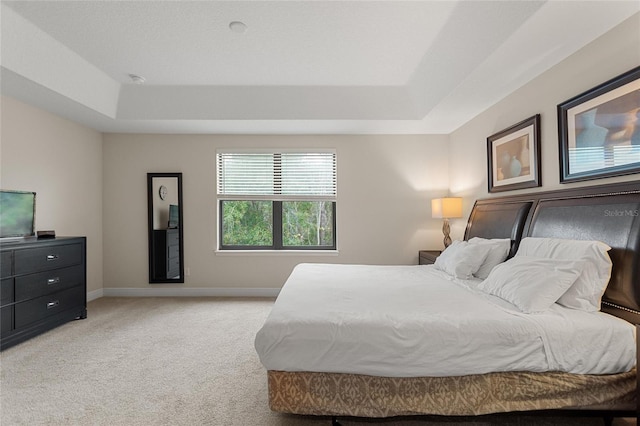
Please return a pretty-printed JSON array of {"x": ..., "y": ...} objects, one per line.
[{"x": 276, "y": 252}]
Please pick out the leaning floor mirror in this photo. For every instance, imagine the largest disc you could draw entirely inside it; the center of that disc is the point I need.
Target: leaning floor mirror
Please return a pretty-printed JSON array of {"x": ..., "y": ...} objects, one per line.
[{"x": 166, "y": 253}]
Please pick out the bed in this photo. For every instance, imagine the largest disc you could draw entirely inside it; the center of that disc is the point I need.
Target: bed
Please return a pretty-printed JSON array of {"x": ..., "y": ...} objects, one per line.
[{"x": 329, "y": 343}]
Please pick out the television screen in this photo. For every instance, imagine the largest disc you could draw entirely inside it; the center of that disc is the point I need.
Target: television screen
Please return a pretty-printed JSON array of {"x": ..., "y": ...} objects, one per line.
[
  {"x": 174, "y": 216},
  {"x": 17, "y": 213}
]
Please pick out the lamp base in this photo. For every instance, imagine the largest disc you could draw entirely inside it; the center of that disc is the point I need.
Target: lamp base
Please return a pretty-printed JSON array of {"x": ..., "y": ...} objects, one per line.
[{"x": 445, "y": 230}]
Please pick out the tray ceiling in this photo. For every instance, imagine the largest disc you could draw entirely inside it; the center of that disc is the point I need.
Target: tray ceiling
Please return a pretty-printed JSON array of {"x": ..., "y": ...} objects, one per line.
[{"x": 290, "y": 66}]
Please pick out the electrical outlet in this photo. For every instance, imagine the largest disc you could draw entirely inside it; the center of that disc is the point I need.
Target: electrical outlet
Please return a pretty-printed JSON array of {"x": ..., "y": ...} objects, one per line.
[{"x": 187, "y": 271}]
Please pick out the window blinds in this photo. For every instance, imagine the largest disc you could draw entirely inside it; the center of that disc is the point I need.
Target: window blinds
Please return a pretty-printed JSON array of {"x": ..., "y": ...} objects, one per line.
[{"x": 276, "y": 175}]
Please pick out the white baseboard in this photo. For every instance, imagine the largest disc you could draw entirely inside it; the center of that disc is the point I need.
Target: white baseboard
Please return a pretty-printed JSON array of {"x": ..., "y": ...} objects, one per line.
[
  {"x": 189, "y": 292},
  {"x": 96, "y": 294}
]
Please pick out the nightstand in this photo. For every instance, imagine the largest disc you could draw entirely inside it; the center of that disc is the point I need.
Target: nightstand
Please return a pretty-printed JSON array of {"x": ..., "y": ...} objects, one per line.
[{"x": 427, "y": 257}]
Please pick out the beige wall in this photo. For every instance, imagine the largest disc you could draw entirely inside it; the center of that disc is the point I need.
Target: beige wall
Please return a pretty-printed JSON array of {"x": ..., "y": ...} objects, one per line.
[
  {"x": 88, "y": 182},
  {"x": 62, "y": 162},
  {"x": 383, "y": 213},
  {"x": 610, "y": 55}
]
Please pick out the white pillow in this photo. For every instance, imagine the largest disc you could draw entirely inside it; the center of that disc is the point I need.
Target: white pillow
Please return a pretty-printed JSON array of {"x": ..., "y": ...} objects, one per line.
[
  {"x": 497, "y": 252},
  {"x": 532, "y": 284},
  {"x": 586, "y": 293},
  {"x": 461, "y": 259}
]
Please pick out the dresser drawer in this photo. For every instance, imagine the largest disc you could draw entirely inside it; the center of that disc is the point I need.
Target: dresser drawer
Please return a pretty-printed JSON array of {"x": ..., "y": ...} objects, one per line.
[
  {"x": 6, "y": 319},
  {"x": 5, "y": 264},
  {"x": 45, "y": 306},
  {"x": 174, "y": 252},
  {"x": 36, "y": 285},
  {"x": 6, "y": 291},
  {"x": 173, "y": 237},
  {"x": 47, "y": 258},
  {"x": 173, "y": 268}
]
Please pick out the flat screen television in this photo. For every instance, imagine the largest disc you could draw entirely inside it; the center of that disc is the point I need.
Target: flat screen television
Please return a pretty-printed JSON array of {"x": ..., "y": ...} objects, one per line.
[
  {"x": 174, "y": 216},
  {"x": 17, "y": 214}
]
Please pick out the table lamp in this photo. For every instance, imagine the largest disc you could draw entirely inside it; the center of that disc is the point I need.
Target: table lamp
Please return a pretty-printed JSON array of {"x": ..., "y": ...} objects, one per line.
[{"x": 446, "y": 208}]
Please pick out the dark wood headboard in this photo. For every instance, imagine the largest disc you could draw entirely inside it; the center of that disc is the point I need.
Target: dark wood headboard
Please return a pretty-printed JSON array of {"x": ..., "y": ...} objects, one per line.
[
  {"x": 501, "y": 219},
  {"x": 607, "y": 213}
]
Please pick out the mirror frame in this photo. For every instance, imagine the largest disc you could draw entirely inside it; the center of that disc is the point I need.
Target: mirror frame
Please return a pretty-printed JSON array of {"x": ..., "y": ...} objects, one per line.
[{"x": 150, "y": 198}]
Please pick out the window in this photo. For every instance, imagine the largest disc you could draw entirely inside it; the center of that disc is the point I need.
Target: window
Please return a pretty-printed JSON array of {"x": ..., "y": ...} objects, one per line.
[{"x": 276, "y": 200}]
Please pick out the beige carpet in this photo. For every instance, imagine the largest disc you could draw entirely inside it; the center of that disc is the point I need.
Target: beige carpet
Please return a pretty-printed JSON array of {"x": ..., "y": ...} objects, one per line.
[{"x": 164, "y": 361}]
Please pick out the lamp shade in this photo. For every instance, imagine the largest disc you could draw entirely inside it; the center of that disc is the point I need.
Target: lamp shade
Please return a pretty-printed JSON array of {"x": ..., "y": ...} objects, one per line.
[{"x": 442, "y": 208}]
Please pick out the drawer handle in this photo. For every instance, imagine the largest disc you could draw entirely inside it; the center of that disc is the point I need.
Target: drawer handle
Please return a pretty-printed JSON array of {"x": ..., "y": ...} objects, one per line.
[
  {"x": 51, "y": 281},
  {"x": 53, "y": 304},
  {"x": 51, "y": 257}
]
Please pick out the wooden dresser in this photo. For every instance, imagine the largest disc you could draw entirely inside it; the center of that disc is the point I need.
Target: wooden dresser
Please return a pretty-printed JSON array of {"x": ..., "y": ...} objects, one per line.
[{"x": 44, "y": 285}]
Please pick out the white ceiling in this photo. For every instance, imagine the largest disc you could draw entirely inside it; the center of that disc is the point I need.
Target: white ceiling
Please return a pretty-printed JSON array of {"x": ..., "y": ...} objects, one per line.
[{"x": 324, "y": 67}]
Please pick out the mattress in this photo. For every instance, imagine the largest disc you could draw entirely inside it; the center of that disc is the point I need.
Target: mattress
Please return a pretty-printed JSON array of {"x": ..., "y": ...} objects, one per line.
[{"x": 417, "y": 321}]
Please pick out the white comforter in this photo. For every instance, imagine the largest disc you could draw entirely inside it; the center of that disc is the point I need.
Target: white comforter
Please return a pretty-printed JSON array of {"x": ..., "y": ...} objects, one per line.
[{"x": 412, "y": 321}]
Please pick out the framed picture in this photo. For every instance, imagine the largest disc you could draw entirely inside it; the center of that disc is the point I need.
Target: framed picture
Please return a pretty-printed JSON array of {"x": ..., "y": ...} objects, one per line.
[
  {"x": 513, "y": 156},
  {"x": 599, "y": 130}
]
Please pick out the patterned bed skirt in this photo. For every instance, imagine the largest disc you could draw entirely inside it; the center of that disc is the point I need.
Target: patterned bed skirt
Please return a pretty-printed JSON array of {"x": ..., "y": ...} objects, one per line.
[{"x": 369, "y": 396}]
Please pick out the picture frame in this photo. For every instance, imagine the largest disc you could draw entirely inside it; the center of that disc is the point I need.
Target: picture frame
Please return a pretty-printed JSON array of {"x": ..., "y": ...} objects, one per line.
[
  {"x": 513, "y": 157},
  {"x": 599, "y": 130}
]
